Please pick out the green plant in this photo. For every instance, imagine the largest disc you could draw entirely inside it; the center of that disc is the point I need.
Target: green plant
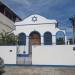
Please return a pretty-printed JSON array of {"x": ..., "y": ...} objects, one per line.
[{"x": 8, "y": 39}]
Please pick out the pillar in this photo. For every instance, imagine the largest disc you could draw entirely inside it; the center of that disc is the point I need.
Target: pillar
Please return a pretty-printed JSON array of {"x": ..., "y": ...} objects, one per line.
[
  {"x": 42, "y": 40},
  {"x": 66, "y": 40},
  {"x": 27, "y": 45},
  {"x": 54, "y": 39}
]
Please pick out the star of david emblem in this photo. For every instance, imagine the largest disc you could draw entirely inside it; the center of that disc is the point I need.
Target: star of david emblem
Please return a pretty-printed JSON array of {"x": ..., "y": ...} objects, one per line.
[{"x": 34, "y": 19}]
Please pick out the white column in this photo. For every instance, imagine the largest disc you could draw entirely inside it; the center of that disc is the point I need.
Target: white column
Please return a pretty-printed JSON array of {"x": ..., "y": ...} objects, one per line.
[
  {"x": 65, "y": 39},
  {"x": 42, "y": 40},
  {"x": 54, "y": 40},
  {"x": 27, "y": 45}
]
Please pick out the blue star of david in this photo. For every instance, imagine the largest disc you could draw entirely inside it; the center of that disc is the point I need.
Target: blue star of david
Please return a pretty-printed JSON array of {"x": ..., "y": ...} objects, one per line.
[{"x": 34, "y": 19}]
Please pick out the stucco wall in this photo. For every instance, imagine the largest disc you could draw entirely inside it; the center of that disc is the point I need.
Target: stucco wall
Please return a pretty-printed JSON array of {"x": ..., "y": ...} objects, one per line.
[
  {"x": 53, "y": 55},
  {"x": 8, "y": 56},
  {"x": 40, "y": 28}
]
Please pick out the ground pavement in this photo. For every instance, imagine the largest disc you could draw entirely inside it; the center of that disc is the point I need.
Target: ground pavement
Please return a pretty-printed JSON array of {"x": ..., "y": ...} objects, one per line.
[{"x": 38, "y": 70}]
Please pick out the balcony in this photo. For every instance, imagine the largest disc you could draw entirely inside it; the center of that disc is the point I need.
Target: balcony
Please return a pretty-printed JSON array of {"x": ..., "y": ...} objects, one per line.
[{"x": 6, "y": 24}]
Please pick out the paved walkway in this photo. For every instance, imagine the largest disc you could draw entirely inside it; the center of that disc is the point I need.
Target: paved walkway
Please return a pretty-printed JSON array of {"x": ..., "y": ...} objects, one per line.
[{"x": 34, "y": 70}]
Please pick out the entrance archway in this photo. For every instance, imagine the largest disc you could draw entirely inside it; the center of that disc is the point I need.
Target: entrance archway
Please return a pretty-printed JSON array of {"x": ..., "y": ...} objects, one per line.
[{"x": 34, "y": 39}]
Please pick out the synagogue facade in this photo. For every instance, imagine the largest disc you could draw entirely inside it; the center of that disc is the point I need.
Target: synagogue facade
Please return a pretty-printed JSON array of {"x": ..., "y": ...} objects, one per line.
[{"x": 38, "y": 30}]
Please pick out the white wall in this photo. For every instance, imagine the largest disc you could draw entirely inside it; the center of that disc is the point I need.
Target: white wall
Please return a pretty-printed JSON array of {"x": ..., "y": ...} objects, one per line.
[
  {"x": 53, "y": 55},
  {"x": 39, "y": 28},
  {"x": 9, "y": 57}
]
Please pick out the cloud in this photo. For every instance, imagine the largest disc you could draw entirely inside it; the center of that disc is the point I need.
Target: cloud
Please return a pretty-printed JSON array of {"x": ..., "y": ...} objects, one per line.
[
  {"x": 60, "y": 10},
  {"x": 22, "y": 2},
  {"x": 57, "y": 9}
]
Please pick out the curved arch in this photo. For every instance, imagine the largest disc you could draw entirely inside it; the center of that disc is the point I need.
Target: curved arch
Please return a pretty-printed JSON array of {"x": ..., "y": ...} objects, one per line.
[
  {"x": 47, "y": 38},
  {"x": 60, "y": 38},
  {"x": 22, "y": 39},
  {"x": 35, "y": 38}
]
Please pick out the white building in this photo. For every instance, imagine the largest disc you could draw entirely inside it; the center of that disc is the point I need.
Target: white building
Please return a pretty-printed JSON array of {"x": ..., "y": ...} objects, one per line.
[
  {"x": 37, "y": 30},
  {"x": 42, "y": 43}
]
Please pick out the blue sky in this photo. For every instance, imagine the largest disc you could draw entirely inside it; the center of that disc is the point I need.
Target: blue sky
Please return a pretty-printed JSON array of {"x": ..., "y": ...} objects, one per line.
[{"x": 61, "y": 10}]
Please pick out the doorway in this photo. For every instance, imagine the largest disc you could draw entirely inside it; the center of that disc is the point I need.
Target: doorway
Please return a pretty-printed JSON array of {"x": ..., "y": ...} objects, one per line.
[{"x": 34, "y": 39}]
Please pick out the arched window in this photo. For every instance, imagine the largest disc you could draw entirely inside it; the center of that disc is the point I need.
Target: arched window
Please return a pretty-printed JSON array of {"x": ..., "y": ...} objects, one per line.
[
  {"x": 22, "y": 39},
  {"x": 47, "y": 38},
  {"x": 60, "y": 38}
]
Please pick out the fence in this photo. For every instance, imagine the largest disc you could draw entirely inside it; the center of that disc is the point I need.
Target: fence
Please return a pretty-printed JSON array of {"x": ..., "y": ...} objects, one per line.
[{"x": 53, "y": 55}]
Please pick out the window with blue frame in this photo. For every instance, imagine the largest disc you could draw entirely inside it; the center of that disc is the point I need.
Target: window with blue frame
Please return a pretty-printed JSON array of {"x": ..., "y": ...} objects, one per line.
[
  {"x": 22, "y": 39},
  {"x": 47, "y": 38},
  {"x": 60, "y": 38}
]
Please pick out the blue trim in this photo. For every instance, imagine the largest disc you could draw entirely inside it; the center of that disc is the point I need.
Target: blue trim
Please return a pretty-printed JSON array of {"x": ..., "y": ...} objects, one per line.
[
  {"x": 30, "y": 65},
  {"x": 22, "y": 55},
  {"x": 55, "y": 65}
]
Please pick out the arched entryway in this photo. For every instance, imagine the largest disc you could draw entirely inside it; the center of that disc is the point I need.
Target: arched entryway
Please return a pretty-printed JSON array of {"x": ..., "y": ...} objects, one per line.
[{"x": 34, "y": 39}]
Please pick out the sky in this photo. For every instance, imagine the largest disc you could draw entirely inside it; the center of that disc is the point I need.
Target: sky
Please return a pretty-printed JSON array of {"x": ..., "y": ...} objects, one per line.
[{"x": 61, "y": 10}]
